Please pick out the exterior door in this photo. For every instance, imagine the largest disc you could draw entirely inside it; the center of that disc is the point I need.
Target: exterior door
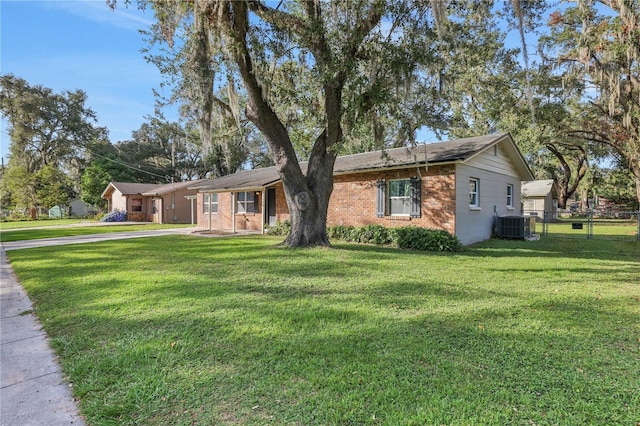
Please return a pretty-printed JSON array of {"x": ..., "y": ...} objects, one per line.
[{"x": 271, "y": 206}]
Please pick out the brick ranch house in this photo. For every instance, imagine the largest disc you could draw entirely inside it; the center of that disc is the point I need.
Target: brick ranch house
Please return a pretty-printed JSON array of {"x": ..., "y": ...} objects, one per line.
[
  {"x": 150, "y": 202},
  {"x": 458, "y": 186}
]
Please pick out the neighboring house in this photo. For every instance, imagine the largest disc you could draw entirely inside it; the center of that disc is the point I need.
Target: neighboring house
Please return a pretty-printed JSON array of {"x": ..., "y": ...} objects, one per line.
[
  {"x": 172, "y": 203},
  {"x": 458, "y": 186},
  {"x": 150, "y": 202},
  {"x": 540, "y": 198}
]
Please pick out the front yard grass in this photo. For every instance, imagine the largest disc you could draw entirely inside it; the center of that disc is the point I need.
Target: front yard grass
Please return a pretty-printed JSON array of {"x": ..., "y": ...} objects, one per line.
[
  {"x": 183, "y": 330},
  {"x": 40, "y": 233},
  {"x": 38, "y": 223}
]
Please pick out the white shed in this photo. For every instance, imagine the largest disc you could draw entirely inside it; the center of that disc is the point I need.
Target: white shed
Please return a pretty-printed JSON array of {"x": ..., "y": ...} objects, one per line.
[{"x": 540, "y": 198}]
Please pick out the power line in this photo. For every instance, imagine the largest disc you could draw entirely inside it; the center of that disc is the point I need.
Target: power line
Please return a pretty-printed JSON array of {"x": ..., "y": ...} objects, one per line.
[
  {"x": 138, "y": 168},
  {"x": 126, "y": 165}
]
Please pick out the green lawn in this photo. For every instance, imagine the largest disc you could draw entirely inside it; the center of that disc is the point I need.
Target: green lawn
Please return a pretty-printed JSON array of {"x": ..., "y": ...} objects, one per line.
[
  {"x": 38, "y": 223},
  {"x": 36, "y": 234},
  {"x": 602, "y": 228},
  {"x": 184, "y": 330}
]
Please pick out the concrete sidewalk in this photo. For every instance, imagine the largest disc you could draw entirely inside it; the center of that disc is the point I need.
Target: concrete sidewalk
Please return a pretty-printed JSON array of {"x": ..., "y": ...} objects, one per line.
[
  {"x": 32, "y": 390},
  {"x": 92, "y": 238}
]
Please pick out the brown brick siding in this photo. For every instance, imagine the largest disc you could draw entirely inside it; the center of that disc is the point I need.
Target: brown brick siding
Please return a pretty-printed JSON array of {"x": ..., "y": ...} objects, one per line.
[
  {"x": 353, "y": 202},
  {"x": 222, "y": 220}
]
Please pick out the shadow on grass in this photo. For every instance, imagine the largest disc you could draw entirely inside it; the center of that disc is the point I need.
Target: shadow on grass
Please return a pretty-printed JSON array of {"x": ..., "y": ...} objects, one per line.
[
  {"x": 186, "y": 330},
  {"x": 333, "y": 364}
]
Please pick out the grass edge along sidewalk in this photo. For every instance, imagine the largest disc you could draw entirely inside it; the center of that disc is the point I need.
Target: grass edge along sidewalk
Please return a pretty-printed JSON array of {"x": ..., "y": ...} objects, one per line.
[
  {"x": 60, "y": 231},
  {"x": 185, "y": 330}
]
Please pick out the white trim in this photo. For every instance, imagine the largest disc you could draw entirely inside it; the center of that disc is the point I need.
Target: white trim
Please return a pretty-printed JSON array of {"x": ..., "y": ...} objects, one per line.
[
  {"x": 510, "y": 197},
  {"x": 475, "y": 205},
  {"x": 389, "y": 197},
  {"x": 233, "y": 212},
  {"x": 265, "y": 215}
]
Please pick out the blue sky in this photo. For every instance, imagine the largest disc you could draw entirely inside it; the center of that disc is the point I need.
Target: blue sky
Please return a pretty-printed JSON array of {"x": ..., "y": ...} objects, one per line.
[{"x": 82, "y": 44}]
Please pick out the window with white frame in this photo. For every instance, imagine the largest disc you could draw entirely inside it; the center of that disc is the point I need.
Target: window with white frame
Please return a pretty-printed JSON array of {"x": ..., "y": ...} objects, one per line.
[
  {"x": 399, "y": 197},
  {"x": 245, "y": 202},
  {"x": 474, "y": 192},
  {"x": 210, "y": 203},
  {"x": 510, "y": 196}
]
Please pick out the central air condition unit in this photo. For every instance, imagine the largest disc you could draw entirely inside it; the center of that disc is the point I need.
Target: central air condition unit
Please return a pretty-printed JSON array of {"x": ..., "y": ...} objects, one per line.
[{"x": 516, "y": 227}]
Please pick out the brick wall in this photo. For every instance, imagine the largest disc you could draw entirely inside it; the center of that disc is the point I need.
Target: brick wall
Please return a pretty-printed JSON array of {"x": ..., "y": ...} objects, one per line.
[
  {"x": 353, "y": 201},
  {"x": 222, "y": 220}
]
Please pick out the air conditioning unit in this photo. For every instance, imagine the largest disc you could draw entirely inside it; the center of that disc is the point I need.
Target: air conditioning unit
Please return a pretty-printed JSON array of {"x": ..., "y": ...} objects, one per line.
[{"x": 515, "y": 227}]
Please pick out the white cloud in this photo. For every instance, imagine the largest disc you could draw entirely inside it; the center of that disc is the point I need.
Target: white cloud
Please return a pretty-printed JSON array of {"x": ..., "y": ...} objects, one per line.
[{"x": 123, "y": 16}]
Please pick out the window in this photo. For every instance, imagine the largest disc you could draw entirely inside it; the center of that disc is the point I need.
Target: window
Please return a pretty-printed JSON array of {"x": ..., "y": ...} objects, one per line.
[
  {"x": 136, "y": 204},
  {"x": 510, "y": 196},
  {"x": 398, "y": 198},
  {"x": 210, "y": 203},
  {"x": 245, "y": 202},
  {"x": 474, "y": 192},
  {"x": 154, "y": 206}
]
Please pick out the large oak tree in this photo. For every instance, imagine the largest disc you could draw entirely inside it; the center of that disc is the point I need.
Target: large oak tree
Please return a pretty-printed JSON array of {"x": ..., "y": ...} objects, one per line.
[
  {"x": 333, "y": 62},
  {"x": 599, "y": 42}
]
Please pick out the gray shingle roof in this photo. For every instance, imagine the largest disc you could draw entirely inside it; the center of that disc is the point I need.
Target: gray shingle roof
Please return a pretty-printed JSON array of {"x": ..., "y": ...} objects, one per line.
[
  {"x": 130, "y": 188},
  {"x": 433, "y": 153},
  {"x": 170, "y": 187},
  {"x": 537, "y": 188}
]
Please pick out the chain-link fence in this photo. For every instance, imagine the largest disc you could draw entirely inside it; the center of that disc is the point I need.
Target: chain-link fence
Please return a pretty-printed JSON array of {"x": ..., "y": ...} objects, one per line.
[{"x": 614, "y": 225}]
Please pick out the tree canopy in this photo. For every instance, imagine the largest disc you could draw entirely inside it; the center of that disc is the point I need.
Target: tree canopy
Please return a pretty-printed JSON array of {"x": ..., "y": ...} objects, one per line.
[
  {"x": 48, "y": 132},
  {"x": 598, "y": 42},
  {"x": 313, "y": 75},
  {"x": 275, "y": 83}
]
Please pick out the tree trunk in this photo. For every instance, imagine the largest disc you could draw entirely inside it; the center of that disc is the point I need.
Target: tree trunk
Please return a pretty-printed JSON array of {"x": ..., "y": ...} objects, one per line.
[
  {"x": 636, "y": 178},
  {"x": 308, "y": 219},
  {"x": 565, "y": 186}
]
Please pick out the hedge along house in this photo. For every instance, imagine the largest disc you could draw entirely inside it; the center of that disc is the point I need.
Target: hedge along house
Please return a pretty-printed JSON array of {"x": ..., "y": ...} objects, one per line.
[
  {"x": 458, "y": 186},
  {"x": 150, "y": 202}
]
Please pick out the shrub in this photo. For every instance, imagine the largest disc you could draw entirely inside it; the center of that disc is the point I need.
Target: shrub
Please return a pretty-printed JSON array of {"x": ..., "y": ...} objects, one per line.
[
  {"x": 416, "y": 238},
  {"x": 409, "y": 237},
  {"x": 280, "y": 228},
  {"x": 372, "y": 234},
  {"x": 340, "y": 232},
  {"x": 114, "y": 216}
]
